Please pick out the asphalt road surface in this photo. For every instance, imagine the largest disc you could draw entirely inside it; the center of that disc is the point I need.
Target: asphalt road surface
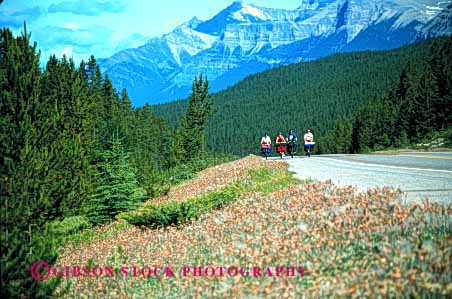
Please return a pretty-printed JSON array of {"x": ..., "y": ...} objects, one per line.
[{"x": 418, "y": 175}]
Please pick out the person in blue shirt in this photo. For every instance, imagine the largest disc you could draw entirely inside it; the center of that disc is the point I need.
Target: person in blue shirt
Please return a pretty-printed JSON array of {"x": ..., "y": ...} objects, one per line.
[
  {"x": 291, "y": 136},
  {"x": 292, "y": 139}
]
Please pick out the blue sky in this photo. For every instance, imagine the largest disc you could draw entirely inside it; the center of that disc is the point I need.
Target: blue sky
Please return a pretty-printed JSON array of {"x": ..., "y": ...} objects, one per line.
[{"x": 79, "y": 28}]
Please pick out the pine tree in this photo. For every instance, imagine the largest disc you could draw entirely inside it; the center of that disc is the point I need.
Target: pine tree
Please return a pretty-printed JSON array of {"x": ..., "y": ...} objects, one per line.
[
  {"x": 117, "y": 189},
  {"x": 402, "y": 86},
  {"x": 373, "y": 125},
  {"x": 424, "y": 94},
  {"x": 94, "y": 80},
  {"x": 342, "y": 136},
  {"x": 192, "y": 132},
  {"x": 440, "y": 66},
  {"x": 177, "y": 153},
  {"x": 339, "y": 139},
  {"x": 56, "y": 158},
  {"x": 124, "y": 116},
  {"x": 25, "y": 204},
  {"x": 400, "y": 103},
  {"x": 149, "y": 140}
]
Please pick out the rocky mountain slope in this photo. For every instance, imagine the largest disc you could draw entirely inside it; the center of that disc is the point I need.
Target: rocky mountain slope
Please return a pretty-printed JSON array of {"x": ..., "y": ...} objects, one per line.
[{"x": 244, "y": 39}]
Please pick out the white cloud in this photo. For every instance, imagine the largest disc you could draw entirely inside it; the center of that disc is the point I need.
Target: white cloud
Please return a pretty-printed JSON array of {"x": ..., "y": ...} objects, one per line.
[{"x": 71, "y": 25}]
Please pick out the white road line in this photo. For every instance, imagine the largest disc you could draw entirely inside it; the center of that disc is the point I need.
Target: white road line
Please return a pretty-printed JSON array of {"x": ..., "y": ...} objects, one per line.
[{"x": 387, "y": 166}]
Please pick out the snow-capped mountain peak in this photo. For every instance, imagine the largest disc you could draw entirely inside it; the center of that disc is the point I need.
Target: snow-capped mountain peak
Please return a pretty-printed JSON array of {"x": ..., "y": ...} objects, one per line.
[
  {"x": 186, "y": 40},
  {"x": 249, "y": 13},
  {"x": 244, "y": 38},
  {"x": 440, "y": 25},
  {"x": 239, "y": 13}
]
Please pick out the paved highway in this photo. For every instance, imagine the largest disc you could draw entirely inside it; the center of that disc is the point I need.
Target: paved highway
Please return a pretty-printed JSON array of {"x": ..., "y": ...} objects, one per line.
[{"x": 418, "y": 175}]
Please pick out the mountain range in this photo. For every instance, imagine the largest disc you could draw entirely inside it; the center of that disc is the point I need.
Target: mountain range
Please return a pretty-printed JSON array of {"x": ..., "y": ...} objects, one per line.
[{"x": 244, "y": 39}]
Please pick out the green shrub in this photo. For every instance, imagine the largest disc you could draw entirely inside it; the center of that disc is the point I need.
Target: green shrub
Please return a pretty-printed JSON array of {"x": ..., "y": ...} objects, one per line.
[
  {"x": 180, "y": 173},
  {"x": 158, "y": 183},
  {"x": 178, "y": 212},
  {"x": 70, "y": 225},
  {"x": 447, "y": 136},
  {"x": 117, "y": 187},
  {"x": 88, "y": 235}
]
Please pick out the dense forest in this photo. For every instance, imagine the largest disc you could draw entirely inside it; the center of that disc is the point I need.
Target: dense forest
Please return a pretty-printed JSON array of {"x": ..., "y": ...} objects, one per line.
[
  {"x": 74, "y": 153},
  {"x": 417, "y": 109},
  {"x": 306, "y": 95}
]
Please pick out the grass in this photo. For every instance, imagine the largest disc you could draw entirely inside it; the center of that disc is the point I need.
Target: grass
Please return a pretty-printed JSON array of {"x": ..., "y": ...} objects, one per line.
[
  {"x": 90, "y": 235},
  {"x": 174, "y": 212},
  {"x": 171, "y": 212}
]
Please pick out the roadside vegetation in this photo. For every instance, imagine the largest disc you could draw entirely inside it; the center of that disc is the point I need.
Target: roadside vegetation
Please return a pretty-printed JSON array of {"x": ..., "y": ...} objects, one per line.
[
  {"x": 176, "y": 212},
  {"x": 210, "y": 189},
  {"x": 74, "y": 153},
  {"x": 350, "y": 245}
]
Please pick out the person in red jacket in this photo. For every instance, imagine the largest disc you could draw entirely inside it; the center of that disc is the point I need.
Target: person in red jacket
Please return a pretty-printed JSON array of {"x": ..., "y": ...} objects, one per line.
[{"x": 280, "y": 144}]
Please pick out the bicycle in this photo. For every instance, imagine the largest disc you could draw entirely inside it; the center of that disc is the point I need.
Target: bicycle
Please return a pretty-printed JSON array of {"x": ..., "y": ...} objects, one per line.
[
  {"x": 266, "y": 149},
  {"x": 292, "y": 148},
  {"x": 308, "y": 146},
  {"x": 281, "y": 148}
]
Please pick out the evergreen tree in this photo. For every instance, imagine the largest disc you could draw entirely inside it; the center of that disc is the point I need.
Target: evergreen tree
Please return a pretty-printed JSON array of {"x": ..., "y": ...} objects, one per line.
[
  {"x": 402, "y": 86},
  {"x": 401, "y": 105},
  {"x": 117, "y": 188},
  {"x": 339, "y": 139},
  {"x": 56, "y": 158},
  {"x": 25, "y": 203},
  {"x": 123, "y": 116},
  {"x": 423, "y": 96},
  {"x": 373, "y": 125},
  {"x": 177, "y": 153},
  {"x": 94, "y": 77},
  {"x": 93, "y": 73},
  {"x": 58, "y": 124},
  {"x": 440, "y": 66},
  {"x": 192, "y": 133},
  {"x": 149, "y": 146}
]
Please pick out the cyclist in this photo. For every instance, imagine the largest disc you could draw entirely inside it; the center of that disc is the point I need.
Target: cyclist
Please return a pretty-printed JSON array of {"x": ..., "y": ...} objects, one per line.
[
  {"x": 308, "y": 137},
  {"x": 291, "y": 139},
  {"x": 308, "y": 142},
  {"x": 280, "y": 144},
  {"x": 266, "y": 145}
]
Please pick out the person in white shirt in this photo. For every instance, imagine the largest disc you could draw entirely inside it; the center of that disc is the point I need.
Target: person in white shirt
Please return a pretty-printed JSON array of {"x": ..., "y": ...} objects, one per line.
[
  {"x": 308, "y": 142},
  {"x": 266, "y": 140},
  {"x": 266, "y": 145},
  {"x": 308, "y": 137}
]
